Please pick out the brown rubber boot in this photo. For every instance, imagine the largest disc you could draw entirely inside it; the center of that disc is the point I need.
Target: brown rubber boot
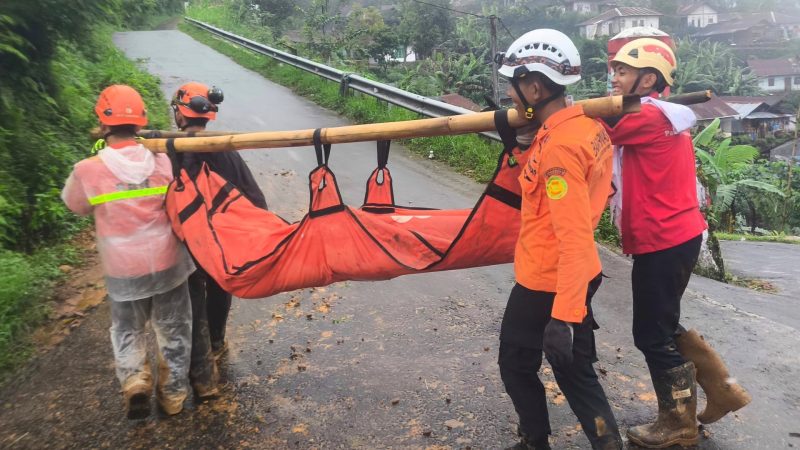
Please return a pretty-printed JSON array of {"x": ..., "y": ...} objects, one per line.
[
  {"x": 677, "y": 405},
  {"x": 723, "y": 394},
  {"x": 170, "y": 402},
  {"x": 136, "y": 391}
]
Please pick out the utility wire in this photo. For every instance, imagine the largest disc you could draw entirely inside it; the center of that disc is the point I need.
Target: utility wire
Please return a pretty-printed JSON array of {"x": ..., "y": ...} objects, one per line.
[
  {"x": 506, "y": 28},
  {"x": 449, "y": 9}
]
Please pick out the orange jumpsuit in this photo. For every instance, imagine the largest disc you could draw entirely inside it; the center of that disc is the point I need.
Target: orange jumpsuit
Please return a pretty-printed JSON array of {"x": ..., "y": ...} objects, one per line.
[{"x": 566, "y": 183}]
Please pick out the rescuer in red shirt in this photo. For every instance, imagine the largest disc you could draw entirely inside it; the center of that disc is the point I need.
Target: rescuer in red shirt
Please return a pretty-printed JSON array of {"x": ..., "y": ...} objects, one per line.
[{"x": 657, "y": 211}]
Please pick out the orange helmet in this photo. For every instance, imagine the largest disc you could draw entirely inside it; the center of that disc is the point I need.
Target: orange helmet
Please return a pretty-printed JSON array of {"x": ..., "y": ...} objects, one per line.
[
  {"x": 197, "y": 100},
  {"x": 119, "y": 104}
]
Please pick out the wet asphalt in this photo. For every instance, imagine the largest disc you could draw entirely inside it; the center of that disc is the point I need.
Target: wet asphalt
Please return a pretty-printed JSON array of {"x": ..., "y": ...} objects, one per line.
[{"x": 405, "y": 363}]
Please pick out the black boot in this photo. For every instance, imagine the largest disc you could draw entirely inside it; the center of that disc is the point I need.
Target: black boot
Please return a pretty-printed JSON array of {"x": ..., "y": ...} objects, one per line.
[
  {"x": 677, "y": 407},
  {"x": 525, "y": 443}
]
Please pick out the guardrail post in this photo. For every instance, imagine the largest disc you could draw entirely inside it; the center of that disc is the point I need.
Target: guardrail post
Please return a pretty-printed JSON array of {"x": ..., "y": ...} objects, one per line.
[{"x": 344, "y": 85}]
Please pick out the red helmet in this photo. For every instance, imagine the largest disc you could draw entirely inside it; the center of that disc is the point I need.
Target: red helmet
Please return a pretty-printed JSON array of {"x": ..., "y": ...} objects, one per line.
[
  {"x": 121, "y": 105},
  {"x": 197, "y": 100}
]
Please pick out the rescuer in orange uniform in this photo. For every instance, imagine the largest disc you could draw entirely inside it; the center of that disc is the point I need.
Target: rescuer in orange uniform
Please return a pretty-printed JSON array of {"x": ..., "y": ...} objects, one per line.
[
  {"x": 145, "y": 266},
  {"x": 566, "y": 182},
  {"x": 194, "y": 105}
]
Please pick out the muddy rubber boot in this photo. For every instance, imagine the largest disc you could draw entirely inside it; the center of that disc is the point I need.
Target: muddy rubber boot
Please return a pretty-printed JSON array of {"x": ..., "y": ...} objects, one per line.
[
  {"x": 677, "y": 407},
  {"x": 170, "y": 402},
  {"x": 208, "y": 388},
  {"x": 608, "y": 442},
  {"x": 136, "y": 393},
  {"x": 218, "y": 348},
  {"x": 525, "y": 443},
  {"x": 723, "y": 394}
]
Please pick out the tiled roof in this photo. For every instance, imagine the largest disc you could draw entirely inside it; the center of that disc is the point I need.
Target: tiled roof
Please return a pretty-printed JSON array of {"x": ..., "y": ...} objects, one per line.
[
  {"x": 733, "y": 22},
  {"x": 773, "y": 67},
  {"x": 622, "y": 11},
  {"x": 712, "y": 109},
  {"x": 459, "y": 100},
  {"x": 770, "y": 100},
  {"x": 688, "y": 9}
]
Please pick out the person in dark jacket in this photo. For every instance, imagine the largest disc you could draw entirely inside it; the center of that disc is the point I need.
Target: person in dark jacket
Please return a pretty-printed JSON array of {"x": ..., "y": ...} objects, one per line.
[{"x": 194, "y": 104}]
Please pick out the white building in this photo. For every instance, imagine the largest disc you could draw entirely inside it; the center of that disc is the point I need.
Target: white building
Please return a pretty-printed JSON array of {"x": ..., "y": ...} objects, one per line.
[
  {"x": 776, "y": 75},
  {"x": 619, "y": 19},
  {"x": 588, "y": 6},
  {"x": 699, "y": 15}
]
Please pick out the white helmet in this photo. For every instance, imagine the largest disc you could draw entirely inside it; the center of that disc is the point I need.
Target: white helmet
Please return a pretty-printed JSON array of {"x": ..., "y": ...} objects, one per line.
[{"x": 547, "y": 51}]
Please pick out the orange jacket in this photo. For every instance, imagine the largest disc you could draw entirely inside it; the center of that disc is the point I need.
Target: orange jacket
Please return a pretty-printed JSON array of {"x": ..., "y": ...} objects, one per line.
[{"x": 565, "y": 184}]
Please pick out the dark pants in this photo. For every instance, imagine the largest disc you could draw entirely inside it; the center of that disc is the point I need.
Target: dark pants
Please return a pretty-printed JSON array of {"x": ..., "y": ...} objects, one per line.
[
  {"x": 201, "y": 370},
  {"x": 659, "y": 280},
  {"x": 218, "y": 304},
  {"x": 521, "y": 335}
]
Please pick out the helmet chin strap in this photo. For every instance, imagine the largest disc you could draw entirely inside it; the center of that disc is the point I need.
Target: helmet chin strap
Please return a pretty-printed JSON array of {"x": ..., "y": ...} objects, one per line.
[
  {"x": 531, "y": 109},
  {"x": 636, "y": 83}
]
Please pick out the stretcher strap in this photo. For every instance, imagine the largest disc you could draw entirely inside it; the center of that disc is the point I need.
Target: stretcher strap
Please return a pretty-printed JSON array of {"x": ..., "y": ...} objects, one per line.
[
  {"x": 504, "y": 195},
  {"x": 322, "y": 158},
  {"x": 383, "y": 153}
]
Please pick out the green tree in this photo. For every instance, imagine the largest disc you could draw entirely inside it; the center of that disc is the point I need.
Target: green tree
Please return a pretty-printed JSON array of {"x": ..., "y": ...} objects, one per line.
[
  {"x": 710, "y": 65},
  {"x": 425, "y": 26},
  {"x": 275, "y": 14},
  {"x": 721, "y": 167}
]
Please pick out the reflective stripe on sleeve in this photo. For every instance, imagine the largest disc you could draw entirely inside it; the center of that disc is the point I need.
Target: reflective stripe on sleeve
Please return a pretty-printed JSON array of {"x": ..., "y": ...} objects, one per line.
[{"x": 125, "y": 195}]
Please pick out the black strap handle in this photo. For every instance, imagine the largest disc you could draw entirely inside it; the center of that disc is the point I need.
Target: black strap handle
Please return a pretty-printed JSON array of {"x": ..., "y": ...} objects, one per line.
[
  {"x": 507, "y": 134},
  {"x": 323, "y": 151},
  {"x": 176, "y": 161},
  {"x": 383, "y": 153}
]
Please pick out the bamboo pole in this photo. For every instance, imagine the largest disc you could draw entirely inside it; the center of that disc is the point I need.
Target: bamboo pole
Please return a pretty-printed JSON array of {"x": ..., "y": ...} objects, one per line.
[
  {"x": 439, "y": 126},
  {"x": 689, "y": 98}
]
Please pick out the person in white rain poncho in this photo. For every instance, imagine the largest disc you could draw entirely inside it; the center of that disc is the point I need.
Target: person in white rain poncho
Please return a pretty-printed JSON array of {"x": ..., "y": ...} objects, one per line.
[{"x": 145, "y": 266}]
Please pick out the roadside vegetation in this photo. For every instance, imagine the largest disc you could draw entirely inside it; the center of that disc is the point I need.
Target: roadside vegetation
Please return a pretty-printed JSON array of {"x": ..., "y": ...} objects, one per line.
[{"x": 55, "y": 57}]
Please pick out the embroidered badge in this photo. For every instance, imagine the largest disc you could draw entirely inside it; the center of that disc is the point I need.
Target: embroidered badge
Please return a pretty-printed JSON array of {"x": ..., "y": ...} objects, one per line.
[
  {"x": 555, "y": 171},
  {"x": 556, "y": 187}
]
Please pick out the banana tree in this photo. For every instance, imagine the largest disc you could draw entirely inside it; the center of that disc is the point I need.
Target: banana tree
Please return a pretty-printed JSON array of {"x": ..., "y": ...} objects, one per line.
[{"x": 721, "y": 167}]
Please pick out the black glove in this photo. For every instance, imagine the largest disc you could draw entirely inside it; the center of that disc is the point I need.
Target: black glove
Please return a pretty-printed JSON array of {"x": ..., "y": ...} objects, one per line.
[{"x": 557, "y": 344}]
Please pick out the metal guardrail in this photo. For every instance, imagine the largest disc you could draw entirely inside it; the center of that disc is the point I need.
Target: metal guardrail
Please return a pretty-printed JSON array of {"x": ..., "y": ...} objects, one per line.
[{"x": 347, "y": 80}]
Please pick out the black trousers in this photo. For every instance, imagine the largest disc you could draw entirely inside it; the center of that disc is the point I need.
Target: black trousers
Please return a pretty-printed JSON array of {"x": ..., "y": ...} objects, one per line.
[
  {"x": 210, "y": 307},
  {"x": 218, "y": 305},
  {"x": 201, "y": 369},
  {"x": 521, "y": 335},
  {"x": 659, "y": 280}
]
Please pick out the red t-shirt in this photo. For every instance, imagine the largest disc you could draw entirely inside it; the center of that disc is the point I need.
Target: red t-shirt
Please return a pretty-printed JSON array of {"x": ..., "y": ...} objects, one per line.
[{"x": 659, "y": 183}]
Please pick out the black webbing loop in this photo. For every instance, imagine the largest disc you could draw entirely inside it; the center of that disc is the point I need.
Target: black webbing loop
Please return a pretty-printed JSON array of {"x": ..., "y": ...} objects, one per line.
[
  {"x": 176, "y": 162},
  {"x": 507, "y": 134},
  {"x": 383, "y": 153},
  {"x": 322, "y": 156}
]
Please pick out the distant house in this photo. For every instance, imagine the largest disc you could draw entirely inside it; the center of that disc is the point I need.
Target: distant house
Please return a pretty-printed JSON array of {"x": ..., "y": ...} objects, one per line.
[
  {"x": 715, "y": 108},
  {"x": 776, "y": 75},
  {"x": 588, "y": 6},
  {"x": 757, "y": 116},
  {"x": 754, "y": 116},
  {"x": 618, "y": 19},
  {"x": 460, "y": 101},
  {"x": 751, "y": 29},
  {"x": 698, "y": 15}
]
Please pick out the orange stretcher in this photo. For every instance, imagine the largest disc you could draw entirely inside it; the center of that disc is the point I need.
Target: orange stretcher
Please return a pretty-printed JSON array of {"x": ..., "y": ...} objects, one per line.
[{"x": 254, "y": 253}]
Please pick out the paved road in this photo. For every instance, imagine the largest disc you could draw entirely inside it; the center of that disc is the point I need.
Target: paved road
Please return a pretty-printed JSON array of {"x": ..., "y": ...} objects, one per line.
[
  {"x": 383, "y": 364},
  {"x": 771, "y": 261}
]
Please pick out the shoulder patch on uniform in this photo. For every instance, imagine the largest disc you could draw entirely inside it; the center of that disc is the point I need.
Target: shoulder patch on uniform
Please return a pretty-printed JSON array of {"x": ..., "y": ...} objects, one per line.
[
  {"x": 556, "y": 187},
  {"x": 555, "y": 171}
]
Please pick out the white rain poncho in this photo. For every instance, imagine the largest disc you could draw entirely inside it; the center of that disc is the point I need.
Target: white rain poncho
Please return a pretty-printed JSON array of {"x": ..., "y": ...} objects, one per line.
[{"x": 124, "y": 188}]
